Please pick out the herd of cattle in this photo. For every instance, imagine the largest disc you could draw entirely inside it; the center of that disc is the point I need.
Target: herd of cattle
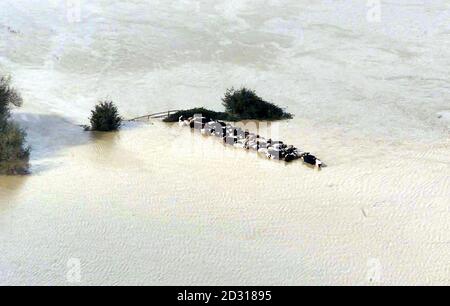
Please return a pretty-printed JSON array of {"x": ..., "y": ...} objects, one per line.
[{"x": 237, "y": 137}]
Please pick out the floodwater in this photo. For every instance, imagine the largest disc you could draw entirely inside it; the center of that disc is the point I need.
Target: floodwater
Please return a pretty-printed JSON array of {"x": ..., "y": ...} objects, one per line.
[{"x": 157, "y": 204}]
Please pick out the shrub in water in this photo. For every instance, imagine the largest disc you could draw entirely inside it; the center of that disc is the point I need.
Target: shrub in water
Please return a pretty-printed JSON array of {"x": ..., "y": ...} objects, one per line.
[
  {"x": 105, "y": 117},
  {"x": 8, "y": 96},
  {"x": 245, "y": 104},
  {"x": 14, "y": 156}
]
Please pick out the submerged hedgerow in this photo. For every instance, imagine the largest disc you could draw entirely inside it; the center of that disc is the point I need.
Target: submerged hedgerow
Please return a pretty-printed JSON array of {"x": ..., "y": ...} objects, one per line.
[
  {"x": 246, "y": 104},
  {"x": 201, "y": 111},
  {"x": 242, "y": 104}
]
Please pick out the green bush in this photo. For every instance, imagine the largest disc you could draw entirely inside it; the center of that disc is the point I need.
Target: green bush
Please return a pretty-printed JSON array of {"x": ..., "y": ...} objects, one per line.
[
  {"x": 14, "y": 156},
  {"x": 105, "y": 117},
  {"x": 245, "y": 104},
  {"x": 8, "y": 97},
  {"x": 242, "y": 104},
  {"x": 204, "y": 112}
]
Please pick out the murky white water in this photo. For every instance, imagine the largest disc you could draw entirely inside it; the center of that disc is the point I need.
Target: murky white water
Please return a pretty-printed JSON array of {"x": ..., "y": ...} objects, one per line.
[{"x": 158, "y": 205}]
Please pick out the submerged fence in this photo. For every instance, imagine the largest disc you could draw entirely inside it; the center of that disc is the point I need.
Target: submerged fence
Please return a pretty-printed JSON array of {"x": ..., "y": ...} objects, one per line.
[{"x": 159, "y": 115}]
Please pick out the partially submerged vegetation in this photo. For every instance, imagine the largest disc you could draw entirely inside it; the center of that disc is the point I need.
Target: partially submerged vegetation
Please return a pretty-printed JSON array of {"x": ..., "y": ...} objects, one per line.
[
  {"x": 242, "y": 104},
  {"x": 14, "y": 155},
  {"x": 205, "y": 112},
  {"x": 105, "y": 117},
  {"x": 246, "y": 104}
]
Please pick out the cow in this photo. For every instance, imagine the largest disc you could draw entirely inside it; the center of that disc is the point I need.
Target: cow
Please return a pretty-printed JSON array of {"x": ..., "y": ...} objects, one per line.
[{"x": 312, "y": 160}]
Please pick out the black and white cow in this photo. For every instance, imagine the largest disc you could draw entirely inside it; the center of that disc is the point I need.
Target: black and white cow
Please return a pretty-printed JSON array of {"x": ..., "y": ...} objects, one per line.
[{"x": 312, "y": 160}]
